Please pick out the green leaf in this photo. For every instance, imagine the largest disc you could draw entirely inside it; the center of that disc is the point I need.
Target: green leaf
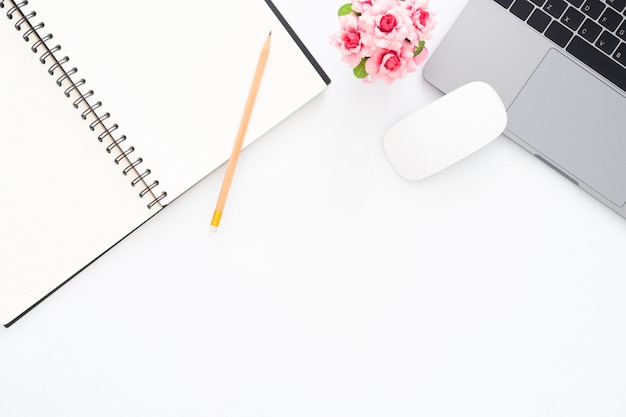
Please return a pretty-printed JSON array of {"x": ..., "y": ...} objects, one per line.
[
  {"x": 420, "y": 46},
  {"x": 345, "y": 9},
  {"x": 359, "y": 70}
]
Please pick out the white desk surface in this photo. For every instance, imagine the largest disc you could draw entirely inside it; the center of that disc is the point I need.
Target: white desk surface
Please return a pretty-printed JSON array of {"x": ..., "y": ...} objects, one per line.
[{"x": 336, "y": 288}]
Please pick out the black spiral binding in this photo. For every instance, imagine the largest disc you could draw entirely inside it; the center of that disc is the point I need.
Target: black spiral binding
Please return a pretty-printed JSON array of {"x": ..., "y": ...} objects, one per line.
[{"x": 82, "y": 100}]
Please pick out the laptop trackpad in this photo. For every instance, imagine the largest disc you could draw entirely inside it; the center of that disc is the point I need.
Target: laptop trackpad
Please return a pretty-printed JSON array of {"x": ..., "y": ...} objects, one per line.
[{"x": 576, "y": 122}]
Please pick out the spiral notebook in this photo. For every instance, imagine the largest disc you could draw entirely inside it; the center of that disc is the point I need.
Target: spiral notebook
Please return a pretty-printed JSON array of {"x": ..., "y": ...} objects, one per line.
[{"x": 111, "y": 110}]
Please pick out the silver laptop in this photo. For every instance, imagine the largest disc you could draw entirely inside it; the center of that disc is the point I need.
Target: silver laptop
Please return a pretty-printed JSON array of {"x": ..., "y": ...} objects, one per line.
[{"x": 560, "y": 69}]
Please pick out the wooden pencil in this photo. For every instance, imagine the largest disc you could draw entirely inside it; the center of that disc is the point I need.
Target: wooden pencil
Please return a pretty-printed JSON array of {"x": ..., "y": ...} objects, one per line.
[{"x": 243, "y": 126}]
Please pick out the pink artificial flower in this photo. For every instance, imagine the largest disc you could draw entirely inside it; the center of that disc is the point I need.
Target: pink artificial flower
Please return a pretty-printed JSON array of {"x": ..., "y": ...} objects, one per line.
[
  {"x": 389, "y": 65},
  {"x": 360, "y": 6},
  {"x": 422, "y": 20},
  {"x": 386, "y": 24},
  {"x": 349, "y": 40},
  {"x": 379, "y": 38},
  {"x": 421, "y": 57}
]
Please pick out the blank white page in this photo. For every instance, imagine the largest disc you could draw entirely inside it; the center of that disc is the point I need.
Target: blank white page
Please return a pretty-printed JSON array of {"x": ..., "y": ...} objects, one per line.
[
  {"x": 64, "y": 201},
  {"x": 175, "y": 76}
]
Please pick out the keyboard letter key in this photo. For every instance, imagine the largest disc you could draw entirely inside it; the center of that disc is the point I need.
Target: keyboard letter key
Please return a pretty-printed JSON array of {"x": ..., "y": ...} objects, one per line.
[{"x": 620, "y": 54}]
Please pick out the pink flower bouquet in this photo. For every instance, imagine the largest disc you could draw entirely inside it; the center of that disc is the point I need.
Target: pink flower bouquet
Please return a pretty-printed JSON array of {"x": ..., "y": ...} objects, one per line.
[{"x": 383, "y": 39}]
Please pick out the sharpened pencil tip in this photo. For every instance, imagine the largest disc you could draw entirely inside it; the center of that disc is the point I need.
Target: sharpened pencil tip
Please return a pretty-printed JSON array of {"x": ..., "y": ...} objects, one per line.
[{"x": 269, "y": 34}]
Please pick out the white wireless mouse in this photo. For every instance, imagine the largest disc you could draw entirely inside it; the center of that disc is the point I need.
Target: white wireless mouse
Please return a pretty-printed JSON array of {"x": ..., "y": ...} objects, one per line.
[{"x": 445, "y": 131}]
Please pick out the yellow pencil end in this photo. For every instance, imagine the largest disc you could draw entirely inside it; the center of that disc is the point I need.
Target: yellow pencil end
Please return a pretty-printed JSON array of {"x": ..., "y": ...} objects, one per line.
[{"x": 215, "y": 222}]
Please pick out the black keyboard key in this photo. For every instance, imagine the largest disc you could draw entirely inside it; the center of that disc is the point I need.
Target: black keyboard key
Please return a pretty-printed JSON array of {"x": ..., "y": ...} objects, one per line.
[
  {"x": 607, "y": 42},
  {"x": 572, "y": 18},
  {"x": 610, "y": 19},
  {"x": 505, "y": 3},
  {"x": 620, "y": 54},
  {"x": 522, "y": 8},
  {"x": 590, "y": 30},
  {"x": 575, "y": 3},
  {"x": 621, "y": 32},
  {"x": 598, "y": 61},
  {"x": 539, "y": 20},
  {"x": 559, "y": 34},
  {"x": 617, "y": 4},
  {"x": 538, "y": 3},
  {"x": 593, "y": 8},
  {"x": 555, "y": 7}
]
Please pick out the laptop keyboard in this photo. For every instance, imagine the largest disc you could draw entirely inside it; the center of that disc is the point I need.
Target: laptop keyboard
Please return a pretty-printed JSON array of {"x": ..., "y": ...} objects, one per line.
[{"x": 594, "y": 31}]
